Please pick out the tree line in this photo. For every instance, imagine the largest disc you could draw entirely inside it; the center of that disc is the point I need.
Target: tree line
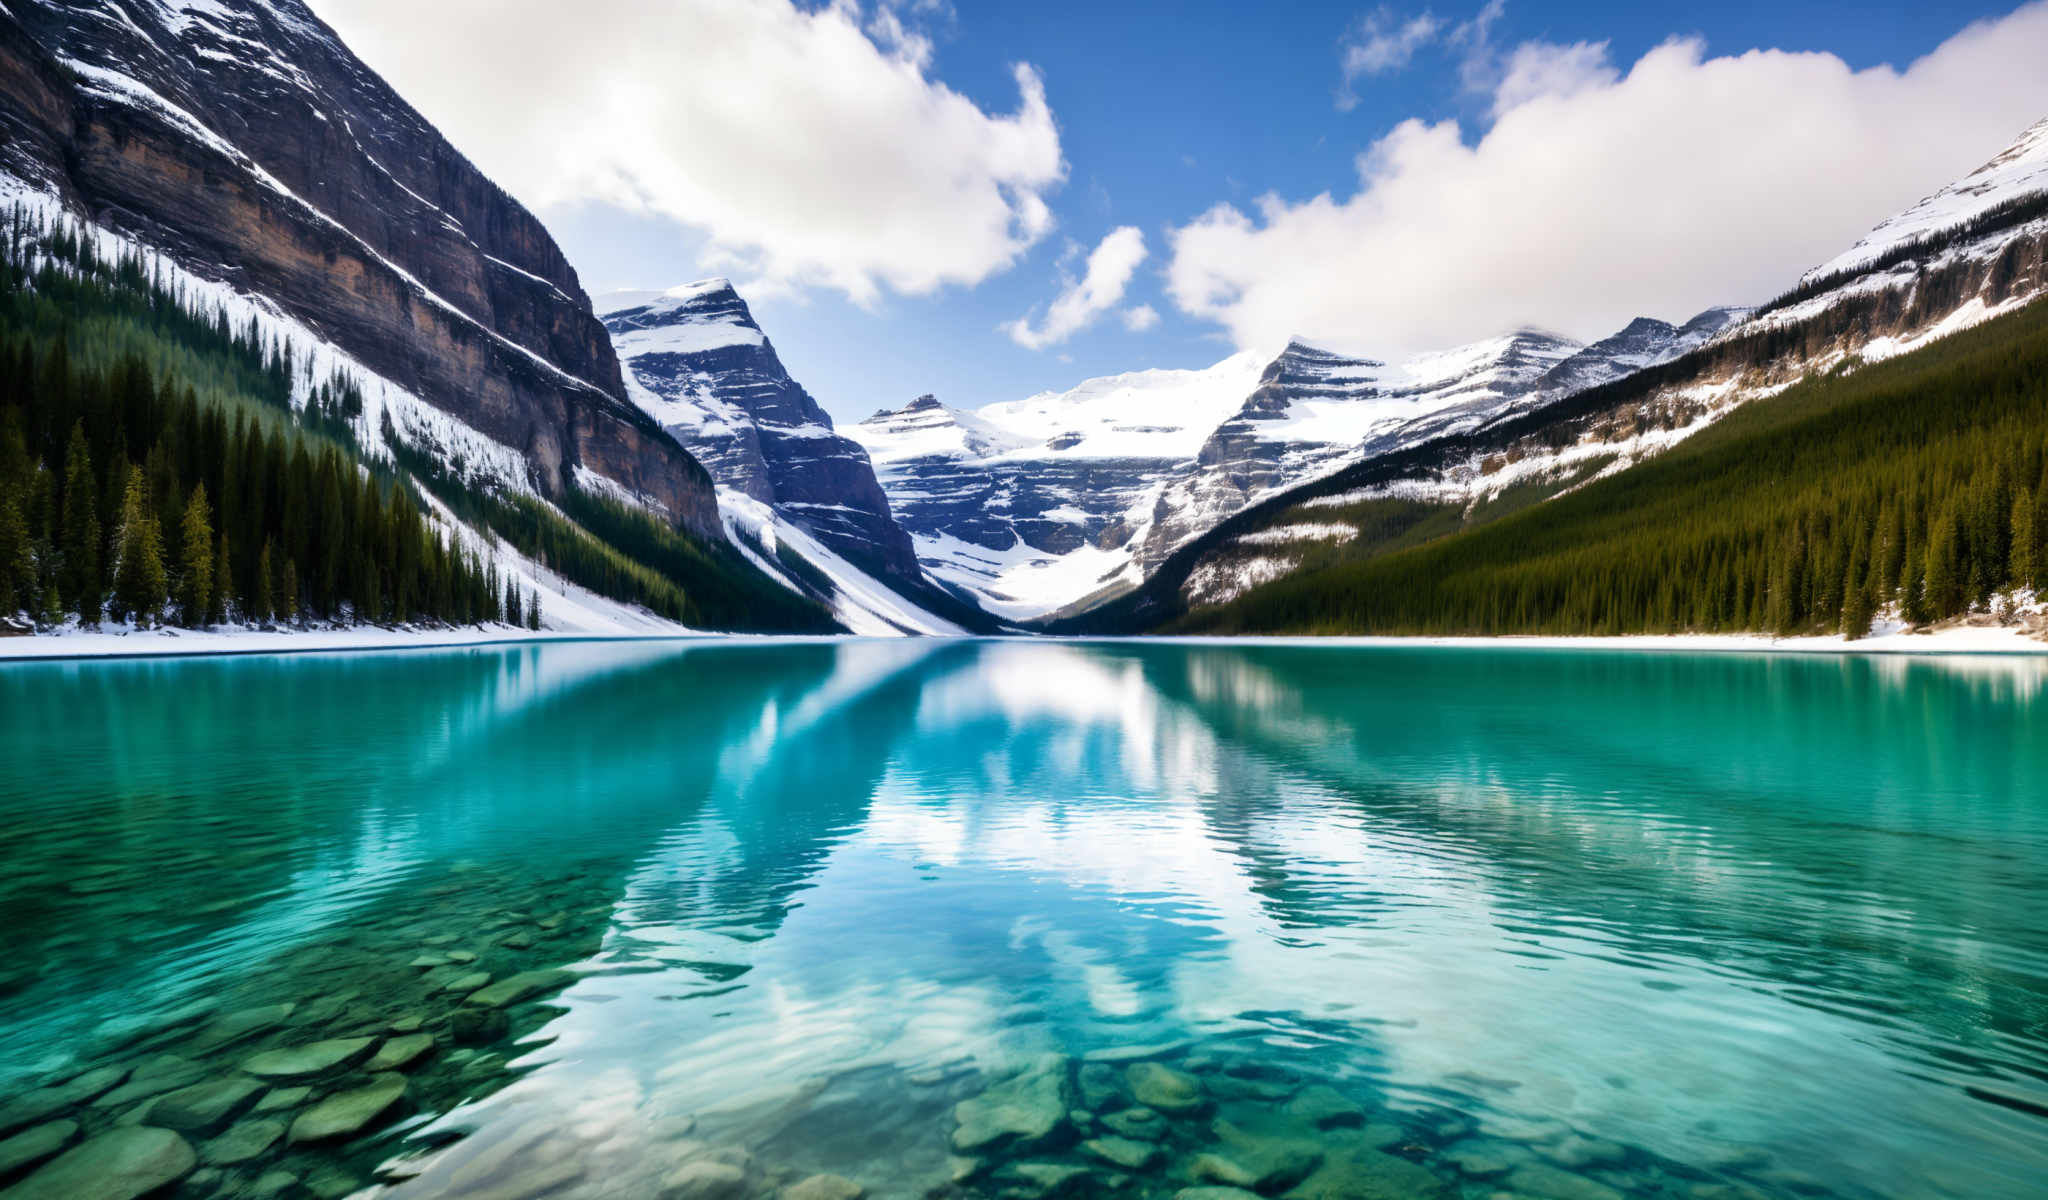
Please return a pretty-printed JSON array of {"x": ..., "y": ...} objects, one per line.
[
  {"x": 152, "y": 468},
  {"x": 1917, "y": 486}
]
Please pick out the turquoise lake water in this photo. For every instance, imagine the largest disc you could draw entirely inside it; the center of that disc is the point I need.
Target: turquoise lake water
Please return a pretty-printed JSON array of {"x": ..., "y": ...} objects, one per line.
[{"x": 1029, "y": 918}]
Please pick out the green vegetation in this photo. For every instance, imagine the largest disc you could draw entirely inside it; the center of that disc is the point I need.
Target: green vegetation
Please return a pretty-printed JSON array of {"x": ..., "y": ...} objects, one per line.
[
  {"x": 1920, "y": 482},
  {"x": 154, "y": 468}
]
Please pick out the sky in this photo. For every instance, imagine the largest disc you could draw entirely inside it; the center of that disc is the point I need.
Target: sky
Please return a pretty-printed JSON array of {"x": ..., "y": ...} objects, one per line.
[{"x": 988, "y": 200}]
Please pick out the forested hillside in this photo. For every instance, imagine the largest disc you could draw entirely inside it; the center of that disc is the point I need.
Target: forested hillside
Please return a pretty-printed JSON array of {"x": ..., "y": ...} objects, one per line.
[
  {"x": 153, "y": 468},
  {"x": 1915, "y": 484}
]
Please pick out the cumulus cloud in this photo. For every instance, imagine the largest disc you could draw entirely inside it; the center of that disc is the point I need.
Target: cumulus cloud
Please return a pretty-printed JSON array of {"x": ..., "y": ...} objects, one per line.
[
  {"x": 1101, "y": 287},
  {"x": 1140, "y": 318},
  {"x": 1381, "y": 42},
  {"x": 1598, "y": 195},
  {"x": 811, "y": 147}
]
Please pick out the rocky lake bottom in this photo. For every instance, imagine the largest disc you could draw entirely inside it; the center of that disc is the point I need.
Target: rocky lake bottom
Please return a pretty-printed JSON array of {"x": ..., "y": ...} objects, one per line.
[{"x": 990, "y": 920}]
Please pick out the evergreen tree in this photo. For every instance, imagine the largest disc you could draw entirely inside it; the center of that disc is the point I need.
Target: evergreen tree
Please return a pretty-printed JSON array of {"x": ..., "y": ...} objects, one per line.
[
  {"x": 79, "y": 545},
  {"x": 2026, "y": 540},
  {"x": 195, "y": 559},
  {"x": 512, "y": 614},
  {"x": 264, "y": 604},
  {"x": 17, "y": 563},
  {"x": 139, "y": 579},
  {"x": 1859, "y": 603},
  {"x": 223, "y": 605},
  {"x": 288, "y": 604},
  {"x": 533, "y": 610}
]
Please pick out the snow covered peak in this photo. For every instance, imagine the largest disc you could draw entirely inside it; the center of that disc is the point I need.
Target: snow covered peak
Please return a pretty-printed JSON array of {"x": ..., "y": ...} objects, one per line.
[
  {"x": 927, "y": 428},
  {"x": 2021, "y": 169},
  {"x": 1161, "y": 413},
  {"x": 694, "y": 318}
]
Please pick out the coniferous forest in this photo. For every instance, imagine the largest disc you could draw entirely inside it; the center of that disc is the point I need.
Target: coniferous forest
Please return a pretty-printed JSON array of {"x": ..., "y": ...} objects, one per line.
[
  {"x": 154, "y": 469},
  {"x": 1916, "y": 486}
]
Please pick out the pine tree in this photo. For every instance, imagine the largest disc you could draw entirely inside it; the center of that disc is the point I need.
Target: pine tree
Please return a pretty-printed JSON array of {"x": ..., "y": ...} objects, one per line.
[
  {"x": 1859, "y": 605},
  {"x": 195, "y": 559},
  {"x": 533, "y": 610},
  {"x": 17, "y": 563},
  {"x": 512, "y": 614},
  {"x": 2026, "y": 541},
  {"x": 223, "y": 605},
  {"x": 288, "y": 604},
  {"x": 264, "y": 607},
  {"x": 79, "y": 543},
  {"x": 139, "y": 579}
]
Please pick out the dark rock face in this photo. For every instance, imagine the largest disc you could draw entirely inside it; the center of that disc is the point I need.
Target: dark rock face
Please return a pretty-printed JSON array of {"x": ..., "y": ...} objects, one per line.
[
  {"x": 714, "y": 381},
  {"x": 245, "y": 140}
]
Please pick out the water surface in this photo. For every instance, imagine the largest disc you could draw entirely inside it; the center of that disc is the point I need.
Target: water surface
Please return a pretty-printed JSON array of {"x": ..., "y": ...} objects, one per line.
[{"x": 1448, "y": 922}]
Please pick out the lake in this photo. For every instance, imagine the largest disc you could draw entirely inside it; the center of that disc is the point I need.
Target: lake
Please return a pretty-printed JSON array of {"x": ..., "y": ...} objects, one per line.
[{"x": 1006, "y": 918}]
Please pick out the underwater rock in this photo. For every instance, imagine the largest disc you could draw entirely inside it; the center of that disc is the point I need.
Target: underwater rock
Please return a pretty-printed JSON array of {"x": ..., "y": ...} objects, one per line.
[
  {"x": 1577, "y": 1150},
  {"x": 33, "y": 1145},
  {"x": 1365, "y": 1174},
  {"x": 346, "y": 1114},
  {"x": 164, "y": 1073},
  {"x": 1098, "y": 1083},
  {"x": 1159, "y": 1086},
  {"x": 1123, "y": 1152},
  {"x": 1024, "y": 1109},
  {"x": 1142, "y": 1123},
  {"x": 824, "y": 1187},
  {"x": 242, "y": 1025},
  {"x": 308, "y": 1061},
  {"x": 1484, "y": 1158},
  {"x": 401, "y": 1053},
  {"x": 277, "y": 1098},
  {"x": 704, "y": 1181},
  {"x": 205, "y": 1107},
  {"x": 1050, "y": 1179},
  {"x": 1541, "y": 1179},
  {"x": 523, "y": 986},
  {"x": 1325, "y": 1107},
  {"x": 465, "y": 984},
  {"x": 1214, "y": 1193},
  {"x": 243, "y": 1142},
  {"x": 122, "y": 1164}
]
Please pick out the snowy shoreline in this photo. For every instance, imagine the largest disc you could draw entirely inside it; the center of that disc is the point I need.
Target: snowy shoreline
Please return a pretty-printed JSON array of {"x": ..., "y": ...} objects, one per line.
[{"x": 176, "y": 643}]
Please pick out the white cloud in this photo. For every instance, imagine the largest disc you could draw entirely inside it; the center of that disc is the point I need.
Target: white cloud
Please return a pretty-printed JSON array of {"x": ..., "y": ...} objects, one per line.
[
  {"x": 1100, "y": 288},
  {"x": 1140, "y": 318},
  {"x": 1597, "y": 196},
  {"x": 811, "y": 148},
  {"x": 1381, "y": 42}
]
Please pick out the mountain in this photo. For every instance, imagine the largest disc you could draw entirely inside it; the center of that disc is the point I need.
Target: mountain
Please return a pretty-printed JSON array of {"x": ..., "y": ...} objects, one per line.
[
  {"x": 1053, "y": 503},
  {"x": 1972, "y": 252},
  {"x": 266, "y": 175},
  {"x": 697, "y": 362}
]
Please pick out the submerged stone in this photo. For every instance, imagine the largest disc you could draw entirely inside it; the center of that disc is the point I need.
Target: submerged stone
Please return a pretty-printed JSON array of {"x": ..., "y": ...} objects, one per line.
[
  {"x": 1098, "y": 1083},
  {"x": 164, "y": 1073},
  {"x": 523, "y": 986},
  {"x": 1214, "y": 1193},
  {"x": 1159, "y": 1086},
  {"x": 1541, "y": 1179},
  {"x": 33, "y": 1145},
  {"x": 462, "y": 985},
  {"x": 704, "y": 1181},
  {"x": 310, "y": 1060},
  {"x": 824, "y": 1187},
  {"x": 1366, "y": 1174},
  {"x": 346, "y": 1114},
  {"x": 1325, "y": 1107},
  {"x": 242, "y": 1025},
  {"x": 1051, "y": 1179},
  {"x": 401, "y": 1052},
  {"x": 1123, "y": 1152},
  {"x": 476, "y": 1026},
  {"x": 1025, "y": 1108},
  {"x": 1143, "y": 1123},
  {"x": 244, "y": 1142},
  {"x": 1484, "y": 1158},
  {"x": 277, "y": 1098},
  {"x": 205, "y": 1107},
  {"x": 122, "y": 1164}
]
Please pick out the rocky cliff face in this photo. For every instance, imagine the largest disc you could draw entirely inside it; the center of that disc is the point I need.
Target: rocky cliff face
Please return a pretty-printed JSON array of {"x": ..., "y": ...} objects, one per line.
[
  {"x": 242, "y": 138},
  {"x": 699, "y": 365}
]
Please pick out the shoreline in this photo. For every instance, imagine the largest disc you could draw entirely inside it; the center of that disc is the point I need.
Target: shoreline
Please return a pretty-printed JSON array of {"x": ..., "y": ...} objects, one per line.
[{"x": 76, "y": 645}]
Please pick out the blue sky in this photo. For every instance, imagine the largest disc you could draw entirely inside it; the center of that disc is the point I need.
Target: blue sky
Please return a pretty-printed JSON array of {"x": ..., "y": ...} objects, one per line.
[{"x": 1165, "y": 111}]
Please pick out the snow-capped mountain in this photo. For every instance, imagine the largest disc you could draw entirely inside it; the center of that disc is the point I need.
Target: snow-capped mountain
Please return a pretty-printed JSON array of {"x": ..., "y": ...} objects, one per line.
[
  {"x": 697, "y": 362},
  {"x": 244, "y": 140},
  {"x": 1972, "y": 251},
  {"x": 1045, "y": 504}
]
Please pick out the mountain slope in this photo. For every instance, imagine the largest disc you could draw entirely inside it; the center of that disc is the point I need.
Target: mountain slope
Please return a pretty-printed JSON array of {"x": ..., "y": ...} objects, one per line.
[
  {"x": 1917, "y": 487},
  {"x": 261, "y": 171},
  {"x": 697, "y": 362},
  {"x": 1898, "y": 294}
]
